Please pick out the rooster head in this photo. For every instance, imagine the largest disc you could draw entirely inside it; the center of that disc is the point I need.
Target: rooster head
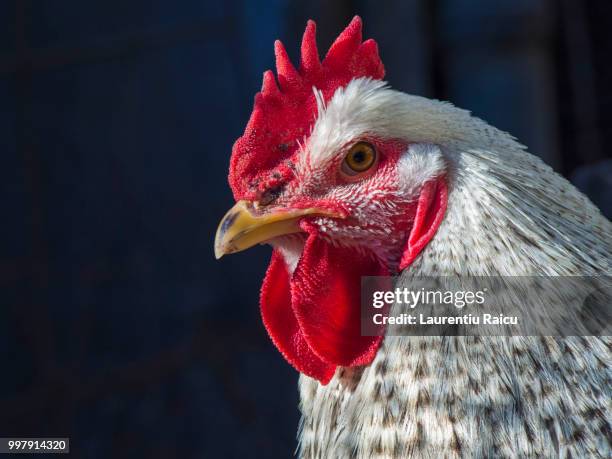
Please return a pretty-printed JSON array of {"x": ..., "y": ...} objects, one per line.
[{"x": 324, "y": 175}]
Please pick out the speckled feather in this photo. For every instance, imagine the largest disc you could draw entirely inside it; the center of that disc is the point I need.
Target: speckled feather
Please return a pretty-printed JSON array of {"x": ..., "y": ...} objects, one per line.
[{"x": 508, "y": 214}]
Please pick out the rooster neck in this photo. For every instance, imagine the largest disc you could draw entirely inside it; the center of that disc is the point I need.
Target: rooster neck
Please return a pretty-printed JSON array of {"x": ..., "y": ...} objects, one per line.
[{"x": 471, "y": 396}]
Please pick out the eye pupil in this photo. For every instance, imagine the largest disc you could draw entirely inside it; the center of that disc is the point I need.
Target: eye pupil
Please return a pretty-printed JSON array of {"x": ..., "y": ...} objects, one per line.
[{"x": 359, "y": 156}]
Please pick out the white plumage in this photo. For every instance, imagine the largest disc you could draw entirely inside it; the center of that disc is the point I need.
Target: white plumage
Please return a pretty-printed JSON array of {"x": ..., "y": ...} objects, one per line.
[{"x": 508, "y": 214}]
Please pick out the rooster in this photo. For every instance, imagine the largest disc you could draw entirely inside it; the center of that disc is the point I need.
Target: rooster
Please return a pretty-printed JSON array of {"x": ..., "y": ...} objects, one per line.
[{"x": 345, "y": 177}]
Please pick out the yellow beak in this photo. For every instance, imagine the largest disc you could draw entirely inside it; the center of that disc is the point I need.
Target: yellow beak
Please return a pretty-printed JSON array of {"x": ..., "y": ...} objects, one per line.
[{"x": 243, "y": 226}]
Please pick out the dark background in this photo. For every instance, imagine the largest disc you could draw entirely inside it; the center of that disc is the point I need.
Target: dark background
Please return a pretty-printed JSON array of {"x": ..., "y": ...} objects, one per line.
[{"x": 118, "y": 328}]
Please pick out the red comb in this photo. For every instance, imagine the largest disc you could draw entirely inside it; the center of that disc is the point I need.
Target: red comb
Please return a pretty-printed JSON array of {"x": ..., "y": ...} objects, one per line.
[{"x": 283, "y": 113}]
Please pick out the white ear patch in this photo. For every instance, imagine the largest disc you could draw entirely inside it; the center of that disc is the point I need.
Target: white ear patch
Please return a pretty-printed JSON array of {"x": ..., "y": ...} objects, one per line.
[{"x": 420, "y": 163}]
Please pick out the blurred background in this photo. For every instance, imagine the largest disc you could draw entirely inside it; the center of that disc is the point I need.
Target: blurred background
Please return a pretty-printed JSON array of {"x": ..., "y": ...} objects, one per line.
[{"x": 117, "y": 326}]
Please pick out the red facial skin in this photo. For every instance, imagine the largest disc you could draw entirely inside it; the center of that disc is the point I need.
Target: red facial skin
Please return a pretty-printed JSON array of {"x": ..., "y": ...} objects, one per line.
[{"x": 313, "y": 314}]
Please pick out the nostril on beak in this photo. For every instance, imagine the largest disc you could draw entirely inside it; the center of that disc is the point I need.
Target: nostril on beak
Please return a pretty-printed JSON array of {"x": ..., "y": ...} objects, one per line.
[{"x": 270, "y": 195}]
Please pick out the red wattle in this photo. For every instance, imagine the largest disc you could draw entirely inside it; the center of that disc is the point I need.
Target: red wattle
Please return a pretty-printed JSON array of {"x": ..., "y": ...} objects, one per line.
[
  {"x": 282, "y": 326},
  {"x": 313, "y": 317},
  {"x": 326, "y": 298}
]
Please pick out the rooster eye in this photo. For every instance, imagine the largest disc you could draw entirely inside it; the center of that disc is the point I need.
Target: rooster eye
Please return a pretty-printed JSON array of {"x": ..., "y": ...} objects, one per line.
[{"x": 360, "y": 158}]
